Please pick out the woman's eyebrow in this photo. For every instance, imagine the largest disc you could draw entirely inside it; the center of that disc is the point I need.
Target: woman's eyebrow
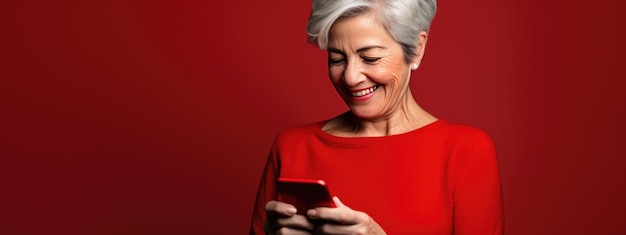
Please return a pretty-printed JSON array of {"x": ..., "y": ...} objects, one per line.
[
  {"x": 335, "y": 50},
  {"x": 369, "y": 47},
  {"x": 365, "y": 48}
]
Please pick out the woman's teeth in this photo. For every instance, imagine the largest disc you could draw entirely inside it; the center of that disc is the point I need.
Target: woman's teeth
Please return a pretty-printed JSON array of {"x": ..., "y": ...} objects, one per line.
[{"x": 365, "y": 92}]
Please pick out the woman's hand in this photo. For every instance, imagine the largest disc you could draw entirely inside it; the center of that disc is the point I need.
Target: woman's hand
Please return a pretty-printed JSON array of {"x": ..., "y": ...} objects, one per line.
[
  {"x": 343, "y": 220},
  {"x": 282, "y": 219}
]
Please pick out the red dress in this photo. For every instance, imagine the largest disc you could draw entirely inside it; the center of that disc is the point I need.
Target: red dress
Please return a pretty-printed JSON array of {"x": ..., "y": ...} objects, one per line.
[{"x": 442, "y": 178}]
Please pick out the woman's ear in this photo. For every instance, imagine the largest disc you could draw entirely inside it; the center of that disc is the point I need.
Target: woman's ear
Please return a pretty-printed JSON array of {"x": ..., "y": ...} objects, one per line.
[{"x": 422, "y": 38}]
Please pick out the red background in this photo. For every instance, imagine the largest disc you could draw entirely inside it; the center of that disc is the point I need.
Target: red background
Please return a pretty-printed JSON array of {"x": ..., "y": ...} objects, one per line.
[{"x": 155, "y": 117}]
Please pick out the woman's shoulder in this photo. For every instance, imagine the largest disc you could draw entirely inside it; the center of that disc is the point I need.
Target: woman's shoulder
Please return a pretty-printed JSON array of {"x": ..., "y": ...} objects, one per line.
[
  {"x": 465, "y": 138},
  {"x": 463, "y": 134},
  {"x": 299, "y": 132}
]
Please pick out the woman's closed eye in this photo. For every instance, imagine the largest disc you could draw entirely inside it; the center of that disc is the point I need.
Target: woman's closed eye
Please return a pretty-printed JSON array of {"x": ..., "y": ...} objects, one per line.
[
  {"x": 370, "y": 60},
  {"x": 335, "y": 61},
  {"x": 366, "y": 59}
]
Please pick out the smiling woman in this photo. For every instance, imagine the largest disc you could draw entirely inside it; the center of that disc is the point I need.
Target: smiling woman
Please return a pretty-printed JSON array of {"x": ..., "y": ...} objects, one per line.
[
  {"x": 367, "y": 68},
  {"x": 131, "y": 117},
  {"x": 397, "y": 168}
]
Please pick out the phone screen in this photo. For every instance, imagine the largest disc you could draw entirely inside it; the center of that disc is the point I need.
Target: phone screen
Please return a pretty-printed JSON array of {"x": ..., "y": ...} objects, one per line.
[{"x": 304, "y": 194}]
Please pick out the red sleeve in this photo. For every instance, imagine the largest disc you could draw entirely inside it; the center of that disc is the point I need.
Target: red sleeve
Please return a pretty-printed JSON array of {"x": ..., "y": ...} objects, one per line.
[
  {"x": 265, "y": 193},
  {"x": 478, "y": 206}
]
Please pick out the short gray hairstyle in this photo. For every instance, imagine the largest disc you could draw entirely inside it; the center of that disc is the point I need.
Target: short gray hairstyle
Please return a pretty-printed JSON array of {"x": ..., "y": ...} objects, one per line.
[{"x": 403, "y": 19}]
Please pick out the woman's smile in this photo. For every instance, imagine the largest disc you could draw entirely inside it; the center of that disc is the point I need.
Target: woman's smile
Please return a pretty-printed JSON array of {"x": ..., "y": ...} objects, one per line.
[
  {"x": 363, "y": 57},
  {"x": 363, "y": 94}
]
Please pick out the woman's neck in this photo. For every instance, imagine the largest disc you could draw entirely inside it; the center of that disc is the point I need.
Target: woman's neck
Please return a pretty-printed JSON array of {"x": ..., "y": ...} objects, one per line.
[{"x": 406, "y": 117}]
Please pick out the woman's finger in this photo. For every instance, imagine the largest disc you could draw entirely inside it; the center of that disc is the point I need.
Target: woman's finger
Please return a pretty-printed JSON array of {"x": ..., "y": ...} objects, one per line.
[
  {"x": 290, "y": 231},
  {"x": 280, "y": 209},
  {"x": 337, "y": 215},
  {"x": 329, "y": 228},
  {"x": 341, "y": 215},
  {"x": 282, "y": 219},
  {"x": 298, "y": 222},
  {"x": 338, "y": 202}
]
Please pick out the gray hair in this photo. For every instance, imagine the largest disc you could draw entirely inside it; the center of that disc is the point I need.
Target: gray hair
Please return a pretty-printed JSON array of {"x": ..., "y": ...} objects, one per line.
[{"x": 403, "y": 19}]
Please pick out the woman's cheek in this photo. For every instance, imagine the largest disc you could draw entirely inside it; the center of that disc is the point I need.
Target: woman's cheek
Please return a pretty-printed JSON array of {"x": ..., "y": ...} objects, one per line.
[{"x": 335, "y": 74}]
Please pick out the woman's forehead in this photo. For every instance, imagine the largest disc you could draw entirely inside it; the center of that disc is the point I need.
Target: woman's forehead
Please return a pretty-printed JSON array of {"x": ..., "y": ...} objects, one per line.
[{"x": 359, "y": 32}]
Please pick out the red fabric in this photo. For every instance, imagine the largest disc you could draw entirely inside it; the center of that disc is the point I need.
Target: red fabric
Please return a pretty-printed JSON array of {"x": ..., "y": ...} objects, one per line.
[{"x": 440, "y": 179}]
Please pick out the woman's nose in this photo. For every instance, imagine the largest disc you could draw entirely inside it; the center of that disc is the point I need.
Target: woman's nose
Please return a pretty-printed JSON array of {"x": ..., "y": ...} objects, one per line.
[{"x": 353, "y": 75}]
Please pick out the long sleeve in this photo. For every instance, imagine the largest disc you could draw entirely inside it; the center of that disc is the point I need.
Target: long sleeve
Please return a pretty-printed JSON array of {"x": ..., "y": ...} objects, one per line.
[
  {"x": 266, "y": 192},
  {"x": 478, "y": 205}
]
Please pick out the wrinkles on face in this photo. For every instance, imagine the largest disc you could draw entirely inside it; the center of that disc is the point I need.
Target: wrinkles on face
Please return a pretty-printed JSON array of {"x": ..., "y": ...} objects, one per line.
[
  {"x": 395, "y": 89},
  {"x": 362, "y": 54}
]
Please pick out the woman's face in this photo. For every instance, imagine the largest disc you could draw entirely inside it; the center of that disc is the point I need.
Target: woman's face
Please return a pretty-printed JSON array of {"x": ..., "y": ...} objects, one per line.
[{"x": 367, "y": 67}]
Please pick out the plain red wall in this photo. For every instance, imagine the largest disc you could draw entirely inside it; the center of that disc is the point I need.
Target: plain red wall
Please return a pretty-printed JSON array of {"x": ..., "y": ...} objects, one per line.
[{"x": 155, "y": 117}]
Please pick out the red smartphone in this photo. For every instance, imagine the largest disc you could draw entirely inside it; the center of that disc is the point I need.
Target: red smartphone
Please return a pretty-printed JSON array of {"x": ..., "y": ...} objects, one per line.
[{"x": 304, "y": 194}]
